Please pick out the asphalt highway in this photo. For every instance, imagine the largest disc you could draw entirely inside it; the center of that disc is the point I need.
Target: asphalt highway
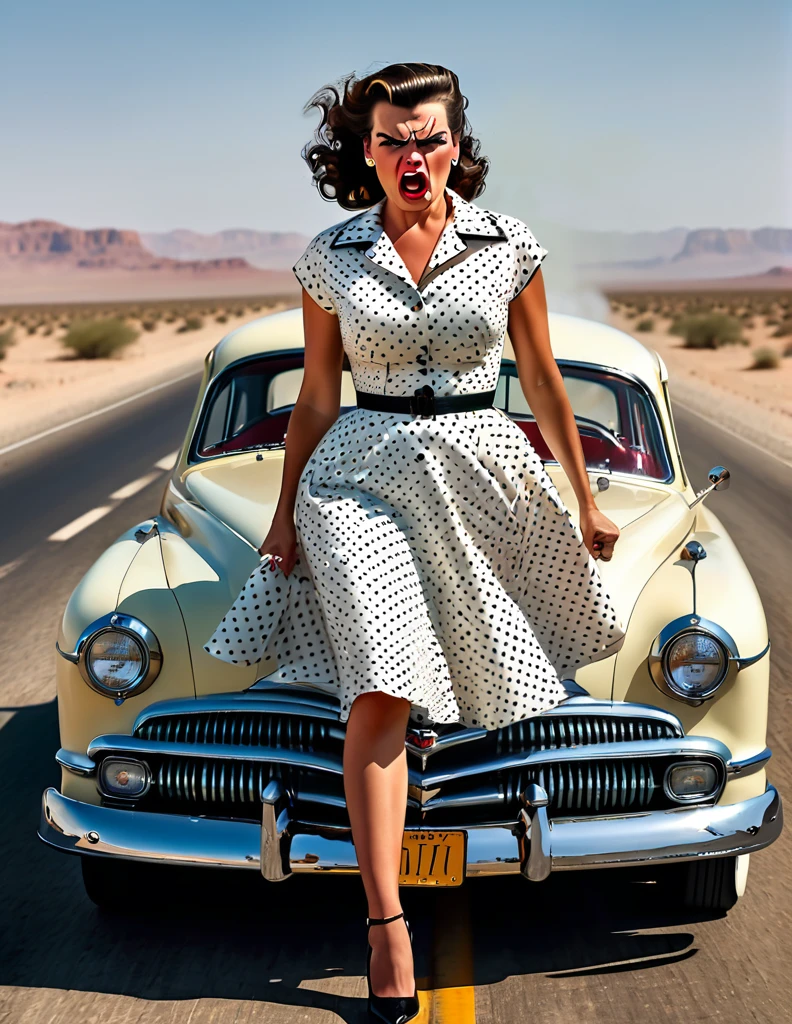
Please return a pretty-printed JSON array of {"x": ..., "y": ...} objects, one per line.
[{"x": 585, "y": 946}]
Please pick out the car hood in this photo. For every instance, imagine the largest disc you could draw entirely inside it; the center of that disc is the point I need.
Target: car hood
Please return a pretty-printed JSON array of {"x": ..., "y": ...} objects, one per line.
[{"x": 654, "y": 519}]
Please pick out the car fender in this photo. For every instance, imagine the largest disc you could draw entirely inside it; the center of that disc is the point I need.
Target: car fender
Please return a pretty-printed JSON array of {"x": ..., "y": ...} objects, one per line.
[
  {"x": 128, "y": 577},
  {"x": 726, "y": 594}
]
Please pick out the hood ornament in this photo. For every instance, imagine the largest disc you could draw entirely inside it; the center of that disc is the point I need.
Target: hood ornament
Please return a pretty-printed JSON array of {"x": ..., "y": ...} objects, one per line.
[
  {"x": 420, "y": 739},
  {"x": 421, "y": 742}
]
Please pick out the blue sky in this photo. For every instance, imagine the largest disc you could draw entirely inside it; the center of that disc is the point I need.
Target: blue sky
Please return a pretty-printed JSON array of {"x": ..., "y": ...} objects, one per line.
[{"x": 603, "y": 115}]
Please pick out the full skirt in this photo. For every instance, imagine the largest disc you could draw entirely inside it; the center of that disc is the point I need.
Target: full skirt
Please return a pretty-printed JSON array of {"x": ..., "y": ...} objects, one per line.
[{"x": 437, "y": 562}]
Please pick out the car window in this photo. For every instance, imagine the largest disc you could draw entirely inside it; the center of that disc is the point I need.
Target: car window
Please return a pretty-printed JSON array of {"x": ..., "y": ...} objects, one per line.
[
  {"x": 248, "y": 406},
  {"x": 620, "y": 430}
]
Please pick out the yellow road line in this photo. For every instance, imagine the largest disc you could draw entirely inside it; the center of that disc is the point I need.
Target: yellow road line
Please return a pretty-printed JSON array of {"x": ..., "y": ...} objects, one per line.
[{"x": 452, "y": 999}]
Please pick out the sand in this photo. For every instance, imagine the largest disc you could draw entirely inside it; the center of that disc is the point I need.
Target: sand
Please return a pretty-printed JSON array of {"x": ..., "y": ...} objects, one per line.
[
  {"x": 42, "y": 385},
  {"x": 721, "y": 384}
]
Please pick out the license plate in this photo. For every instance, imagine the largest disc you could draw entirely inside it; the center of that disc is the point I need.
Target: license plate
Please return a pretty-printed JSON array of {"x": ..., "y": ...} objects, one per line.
[{"x": 433, "y": 857}]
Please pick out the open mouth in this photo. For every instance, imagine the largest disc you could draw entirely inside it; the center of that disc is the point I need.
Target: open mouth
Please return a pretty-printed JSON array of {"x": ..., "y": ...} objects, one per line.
[{"x": 413, "y": 184}]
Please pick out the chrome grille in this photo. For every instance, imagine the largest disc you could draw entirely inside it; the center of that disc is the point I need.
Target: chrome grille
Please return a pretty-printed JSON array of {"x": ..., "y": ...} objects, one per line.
[
  {"x": 246, "y": 728},
  {"x": 229, "y": 782},
  {"x": 217, "y": 781},
  {"x": 579, "y": 730},
  {"x": 593, "y": 787}
]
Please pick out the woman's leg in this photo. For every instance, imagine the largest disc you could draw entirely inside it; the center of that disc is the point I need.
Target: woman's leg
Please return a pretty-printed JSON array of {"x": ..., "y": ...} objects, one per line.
[{"x": 375, "y": 785}]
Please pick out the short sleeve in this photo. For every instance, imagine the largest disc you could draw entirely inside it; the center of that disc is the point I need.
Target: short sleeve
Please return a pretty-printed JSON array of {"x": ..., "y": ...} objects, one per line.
[
  {"x": 310, "y": 272},
  {"x": 528, "y": 254}
]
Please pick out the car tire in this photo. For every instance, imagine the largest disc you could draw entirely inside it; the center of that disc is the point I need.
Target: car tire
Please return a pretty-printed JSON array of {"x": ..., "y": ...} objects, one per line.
[{"x": 715, "y": 883}]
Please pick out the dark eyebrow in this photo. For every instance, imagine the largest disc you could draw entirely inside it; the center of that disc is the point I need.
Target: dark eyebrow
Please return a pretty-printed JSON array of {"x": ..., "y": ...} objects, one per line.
[{"x": 402, "y": 142}]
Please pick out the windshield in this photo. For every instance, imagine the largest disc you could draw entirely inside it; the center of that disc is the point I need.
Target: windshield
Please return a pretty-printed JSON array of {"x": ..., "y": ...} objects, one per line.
[{"x": 249, "y": 404}]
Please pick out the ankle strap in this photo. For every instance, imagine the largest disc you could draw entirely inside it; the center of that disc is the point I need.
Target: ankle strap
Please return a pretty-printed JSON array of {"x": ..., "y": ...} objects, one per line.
[{"x": 383, "y": 920}]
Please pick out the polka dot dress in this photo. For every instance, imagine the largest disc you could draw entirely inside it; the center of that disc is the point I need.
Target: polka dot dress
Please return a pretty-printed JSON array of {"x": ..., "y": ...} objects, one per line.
[{"x": 435, "y": 558}]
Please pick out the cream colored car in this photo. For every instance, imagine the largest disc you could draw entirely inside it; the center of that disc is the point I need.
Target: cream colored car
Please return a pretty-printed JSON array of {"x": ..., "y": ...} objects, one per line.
[{"x": 658, "y": 759}]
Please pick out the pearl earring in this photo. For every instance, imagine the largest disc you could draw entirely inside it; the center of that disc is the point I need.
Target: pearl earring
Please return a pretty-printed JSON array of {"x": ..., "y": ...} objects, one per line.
[{"x": 369, "y": 161}]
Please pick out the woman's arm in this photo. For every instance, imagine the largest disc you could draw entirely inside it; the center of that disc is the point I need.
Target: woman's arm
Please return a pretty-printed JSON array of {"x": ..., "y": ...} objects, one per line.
[
  {"x": 543, "y": 386},
  {"x": 318, "y": 402}
]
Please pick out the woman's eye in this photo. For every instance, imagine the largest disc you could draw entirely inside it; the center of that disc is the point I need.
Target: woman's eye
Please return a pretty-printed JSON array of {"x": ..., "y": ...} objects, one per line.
[{"x": 421, "y": 142}]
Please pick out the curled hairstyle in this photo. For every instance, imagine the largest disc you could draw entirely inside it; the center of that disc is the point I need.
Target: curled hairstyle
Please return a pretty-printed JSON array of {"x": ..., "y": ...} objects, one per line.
[{"x": 336, "y": 157}]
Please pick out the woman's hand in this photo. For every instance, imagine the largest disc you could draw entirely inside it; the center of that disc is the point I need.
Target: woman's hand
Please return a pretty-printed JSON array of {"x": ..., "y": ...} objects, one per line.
[
  {"x": 599, "y": 533},
  {"x": 281, "y": 544}
]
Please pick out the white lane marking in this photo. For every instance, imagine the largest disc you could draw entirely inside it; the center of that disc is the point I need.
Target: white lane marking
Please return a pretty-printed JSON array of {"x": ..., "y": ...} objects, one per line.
[
  {"x": 726, "y": 430},
  {"x": 97, "y": 412},
  {"x": 9, "y": 567},
  {"x": 168, "y": 461},
  {"x": 81, "y": 523},
  {"x": 127, "y": 491},
  {"x": 137, "y": 485}
]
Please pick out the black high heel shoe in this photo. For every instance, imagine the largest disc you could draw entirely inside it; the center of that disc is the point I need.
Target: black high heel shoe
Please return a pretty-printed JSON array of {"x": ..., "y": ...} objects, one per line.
[{"x": 391, "y": 1009}]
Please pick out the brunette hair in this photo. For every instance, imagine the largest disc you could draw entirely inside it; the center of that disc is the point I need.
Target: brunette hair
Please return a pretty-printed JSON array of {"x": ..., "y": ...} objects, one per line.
[{"x": 336, "y": 157}]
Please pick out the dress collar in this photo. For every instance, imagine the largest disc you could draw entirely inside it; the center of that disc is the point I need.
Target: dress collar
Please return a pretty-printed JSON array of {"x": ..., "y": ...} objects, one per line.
[
  {"x": 470, "y": 221},
  {"x": 365, "y": 231}
]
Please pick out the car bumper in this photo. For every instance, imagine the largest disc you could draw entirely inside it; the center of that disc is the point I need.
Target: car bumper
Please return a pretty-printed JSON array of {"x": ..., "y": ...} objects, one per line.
[{"x": 279, "y": 847}]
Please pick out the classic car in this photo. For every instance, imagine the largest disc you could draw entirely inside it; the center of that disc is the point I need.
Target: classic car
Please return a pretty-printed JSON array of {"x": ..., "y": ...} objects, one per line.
[{"x": 656, "y": 760}]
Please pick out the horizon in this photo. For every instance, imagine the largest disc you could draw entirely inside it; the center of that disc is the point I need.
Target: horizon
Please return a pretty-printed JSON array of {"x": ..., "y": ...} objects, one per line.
[{"x": 291, "y": 231}]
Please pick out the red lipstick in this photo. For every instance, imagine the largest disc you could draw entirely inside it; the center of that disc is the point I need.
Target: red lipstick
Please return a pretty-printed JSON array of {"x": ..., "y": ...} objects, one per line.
[{"x": 413, "y": 185}]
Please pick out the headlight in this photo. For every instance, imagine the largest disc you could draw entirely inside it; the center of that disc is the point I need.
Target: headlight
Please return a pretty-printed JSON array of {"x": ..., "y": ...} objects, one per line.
[
  {"x": 124, "y": 777},
  {"x": 118, "y": 656},
  {"x": 691, "y": 658},
  {"x": 115, "y": 660},
  {"x": 695, "y": 664},
  {"x": 689, "y": 782}
]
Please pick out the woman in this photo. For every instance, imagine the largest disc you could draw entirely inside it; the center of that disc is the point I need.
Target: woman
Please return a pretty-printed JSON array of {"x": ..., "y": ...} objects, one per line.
[{"x": 445, "y": 575}]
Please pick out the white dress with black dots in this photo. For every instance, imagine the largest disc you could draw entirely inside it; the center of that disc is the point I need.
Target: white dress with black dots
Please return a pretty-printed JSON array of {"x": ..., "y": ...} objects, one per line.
[{"x": 435, "y": 558}]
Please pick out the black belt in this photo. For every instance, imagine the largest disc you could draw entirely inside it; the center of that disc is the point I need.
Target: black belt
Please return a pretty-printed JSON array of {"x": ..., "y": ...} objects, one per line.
[{"x": 424, "y": 402}]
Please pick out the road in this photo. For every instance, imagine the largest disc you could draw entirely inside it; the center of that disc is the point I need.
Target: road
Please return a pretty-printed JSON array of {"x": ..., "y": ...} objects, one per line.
[{"x": 590, "y": 947}]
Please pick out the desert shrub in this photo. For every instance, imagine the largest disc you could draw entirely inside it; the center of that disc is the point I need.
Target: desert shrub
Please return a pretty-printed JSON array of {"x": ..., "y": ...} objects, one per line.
[
  {"x": 221, "y": 319},
  {"x": 647, "y": 324},
  {"x": 709, "y": 330},
  {"x": 149, "y": 325},
  {"x": 784, "y": 328},
  {"x": 765, "y": 358},
  {"x": 170, "y": 318},
  {"x": 191, "y": 323},
  {"x": 6, "y": 341},
  {"x": 99, "y": 339},
  {"x": 787, "y": 351}
]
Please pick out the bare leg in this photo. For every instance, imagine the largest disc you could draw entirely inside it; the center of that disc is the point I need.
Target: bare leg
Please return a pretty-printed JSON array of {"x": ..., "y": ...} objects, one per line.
[{"x": 375, "y": 786}]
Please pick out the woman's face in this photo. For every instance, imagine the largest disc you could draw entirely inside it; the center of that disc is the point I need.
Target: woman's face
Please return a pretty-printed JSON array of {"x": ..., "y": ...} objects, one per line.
[{"x": 413, "y": 149}]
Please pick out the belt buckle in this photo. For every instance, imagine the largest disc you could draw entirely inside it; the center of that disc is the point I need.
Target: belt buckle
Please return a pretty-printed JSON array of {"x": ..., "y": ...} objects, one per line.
[{"x": 422, "y": 402}]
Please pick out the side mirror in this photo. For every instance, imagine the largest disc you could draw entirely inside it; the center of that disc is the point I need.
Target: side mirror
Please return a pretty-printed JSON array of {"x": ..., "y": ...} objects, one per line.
[{"x": 719, "y": 478}]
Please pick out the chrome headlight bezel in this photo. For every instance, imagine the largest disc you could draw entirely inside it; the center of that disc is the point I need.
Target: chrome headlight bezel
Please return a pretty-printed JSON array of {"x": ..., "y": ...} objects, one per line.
[
  {"x": 663, "y": 643},
  {"x": 139, "y": 633}
]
